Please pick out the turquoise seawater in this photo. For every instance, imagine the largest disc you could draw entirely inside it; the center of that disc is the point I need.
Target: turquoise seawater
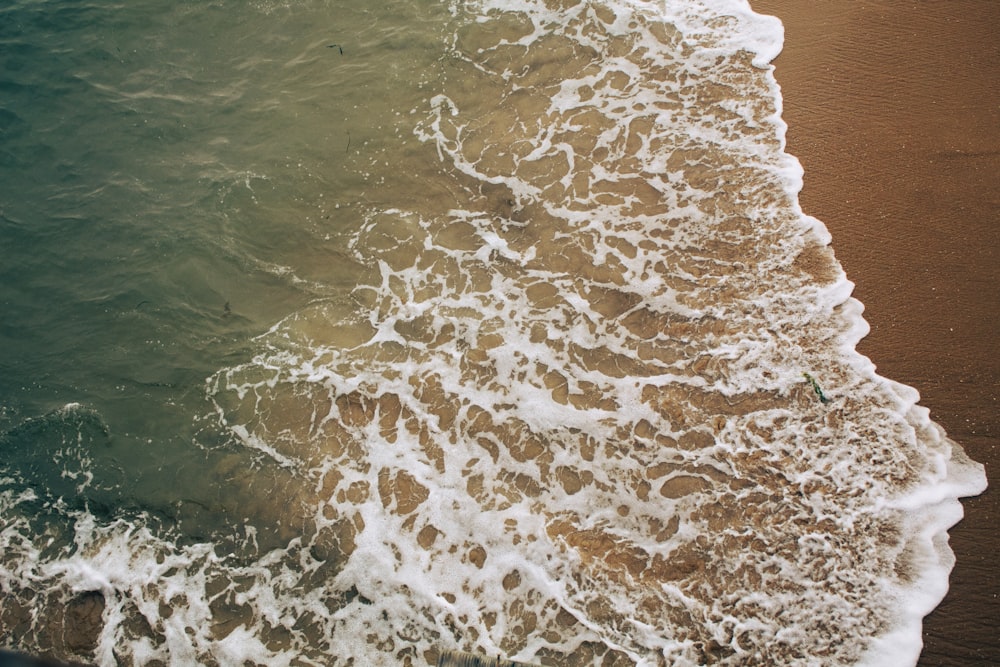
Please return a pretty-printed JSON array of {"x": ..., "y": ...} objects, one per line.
[{"x": 171, "y": 181}]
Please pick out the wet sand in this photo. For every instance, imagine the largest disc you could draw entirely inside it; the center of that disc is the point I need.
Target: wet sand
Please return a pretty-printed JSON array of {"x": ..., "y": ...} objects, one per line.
[{"x": 893, "y": 109}]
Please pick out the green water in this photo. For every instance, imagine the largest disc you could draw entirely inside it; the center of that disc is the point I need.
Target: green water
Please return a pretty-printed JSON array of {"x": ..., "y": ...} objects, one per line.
[{"x": 176, "y": 177}]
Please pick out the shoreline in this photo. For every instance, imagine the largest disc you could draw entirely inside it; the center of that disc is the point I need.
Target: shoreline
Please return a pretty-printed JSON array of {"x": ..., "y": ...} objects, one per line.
[{"x": 893, "y": 110}]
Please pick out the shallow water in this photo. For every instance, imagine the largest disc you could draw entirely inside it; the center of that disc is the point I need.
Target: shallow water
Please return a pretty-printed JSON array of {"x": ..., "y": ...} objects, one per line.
[{"x": 358, "y": 333}]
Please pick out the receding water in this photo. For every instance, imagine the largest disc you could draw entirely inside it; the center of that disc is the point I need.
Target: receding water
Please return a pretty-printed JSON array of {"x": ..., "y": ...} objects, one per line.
[{"x": 340, "y": 333}]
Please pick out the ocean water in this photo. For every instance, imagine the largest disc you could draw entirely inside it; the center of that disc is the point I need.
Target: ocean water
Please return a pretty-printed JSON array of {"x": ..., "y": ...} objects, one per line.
[{"x": 345, "y": 333}]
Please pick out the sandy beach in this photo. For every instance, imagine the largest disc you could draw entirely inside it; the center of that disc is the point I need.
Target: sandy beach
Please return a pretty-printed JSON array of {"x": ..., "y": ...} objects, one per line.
[{"x": 893, "y": 110}]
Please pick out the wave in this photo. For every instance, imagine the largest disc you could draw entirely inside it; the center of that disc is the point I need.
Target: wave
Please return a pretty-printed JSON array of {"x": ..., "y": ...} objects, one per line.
[{"x": 594, "y": 398}]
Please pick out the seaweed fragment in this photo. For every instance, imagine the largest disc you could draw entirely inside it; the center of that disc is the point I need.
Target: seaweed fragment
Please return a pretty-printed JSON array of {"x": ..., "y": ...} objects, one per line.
[{"x": 816, "y": 388}]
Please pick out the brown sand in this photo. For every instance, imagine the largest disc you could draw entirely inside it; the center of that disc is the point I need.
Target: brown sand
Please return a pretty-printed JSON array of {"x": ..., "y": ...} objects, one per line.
[{"x": 893, "y": 108}]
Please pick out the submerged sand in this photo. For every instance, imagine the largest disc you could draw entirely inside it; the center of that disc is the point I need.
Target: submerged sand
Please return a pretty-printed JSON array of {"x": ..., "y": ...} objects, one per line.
[{"x": 893, "y": 110}]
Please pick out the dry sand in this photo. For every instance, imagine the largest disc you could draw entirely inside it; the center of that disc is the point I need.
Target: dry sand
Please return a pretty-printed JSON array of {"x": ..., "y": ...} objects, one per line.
[{"x": 893, "y": 109}]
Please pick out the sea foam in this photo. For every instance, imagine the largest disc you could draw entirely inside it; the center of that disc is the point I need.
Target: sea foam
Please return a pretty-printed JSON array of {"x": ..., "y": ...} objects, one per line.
[{"x": 562, "y": 416}]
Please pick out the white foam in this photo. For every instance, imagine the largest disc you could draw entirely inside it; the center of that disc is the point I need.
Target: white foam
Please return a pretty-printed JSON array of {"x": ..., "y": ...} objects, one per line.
[{"x": 565, "y": 407}]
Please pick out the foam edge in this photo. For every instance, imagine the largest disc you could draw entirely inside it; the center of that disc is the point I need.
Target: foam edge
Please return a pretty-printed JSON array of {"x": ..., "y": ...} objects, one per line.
[{"x": 927, "y": 515}]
